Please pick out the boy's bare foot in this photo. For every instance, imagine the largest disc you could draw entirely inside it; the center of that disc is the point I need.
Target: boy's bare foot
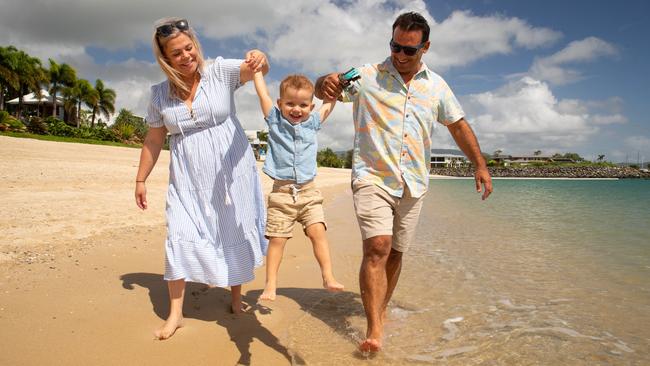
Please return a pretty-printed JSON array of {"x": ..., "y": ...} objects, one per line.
[
  {"x": 332, "y": 285},
  {"x": 268, "y": 294},
  {"x": 370, "y": 345},
  {"x": 169, "y": 328}
]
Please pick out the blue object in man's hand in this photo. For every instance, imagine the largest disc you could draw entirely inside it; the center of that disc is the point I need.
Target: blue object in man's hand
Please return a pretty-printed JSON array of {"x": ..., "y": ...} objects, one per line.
[{"x": 347, "y": 78}]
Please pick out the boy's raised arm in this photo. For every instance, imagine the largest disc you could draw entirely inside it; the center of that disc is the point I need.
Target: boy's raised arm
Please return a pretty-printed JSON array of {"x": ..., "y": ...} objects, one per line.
[
  {"x": 326, "y": 109},
  {"x": 263, "y": 93}
]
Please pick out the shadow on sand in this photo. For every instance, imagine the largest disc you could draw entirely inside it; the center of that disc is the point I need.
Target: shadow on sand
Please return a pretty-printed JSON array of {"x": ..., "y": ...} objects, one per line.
[
  {"x": 334, "y": 309},
  {"x": 213, "y": 304}
]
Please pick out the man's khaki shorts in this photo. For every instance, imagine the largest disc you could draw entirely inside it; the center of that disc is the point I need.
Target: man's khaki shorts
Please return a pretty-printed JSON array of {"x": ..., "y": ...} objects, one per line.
[
  {"x": 380, "y": 213},
  {"x": 290, "y": 203}
]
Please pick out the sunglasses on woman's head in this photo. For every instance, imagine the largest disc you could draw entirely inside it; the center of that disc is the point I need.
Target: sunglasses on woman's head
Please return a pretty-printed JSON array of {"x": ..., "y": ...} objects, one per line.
[
  {"x": 408, "y": 50},
  {"x": 166, "y": 30}
]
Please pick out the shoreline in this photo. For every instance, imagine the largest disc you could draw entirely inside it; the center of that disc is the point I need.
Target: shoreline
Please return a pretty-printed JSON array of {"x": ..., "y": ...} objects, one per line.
[
  {"x": 442, "y": 177},
  {"x": 569, "y": 172}
]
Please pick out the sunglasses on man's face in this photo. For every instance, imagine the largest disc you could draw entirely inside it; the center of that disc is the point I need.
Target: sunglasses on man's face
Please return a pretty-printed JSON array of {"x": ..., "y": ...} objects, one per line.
[
  {"x": 408, "y": 50},
  {"x": 166, "y": 30}
]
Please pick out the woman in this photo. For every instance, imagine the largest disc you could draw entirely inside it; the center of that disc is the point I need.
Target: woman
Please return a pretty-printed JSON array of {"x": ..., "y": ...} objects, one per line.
[{"x": 215, "y": 206}]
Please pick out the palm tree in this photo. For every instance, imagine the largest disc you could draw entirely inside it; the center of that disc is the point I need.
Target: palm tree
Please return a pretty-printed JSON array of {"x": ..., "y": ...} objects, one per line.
[
  {"x": 105, "y": 102},
  {"x": 81, "y": 92},
  {"x": 60, "y": 76},
  {"x": 31, "y": 76},
  {"x": 8, "y": 74},
  {"x": 70, "y": 105}
]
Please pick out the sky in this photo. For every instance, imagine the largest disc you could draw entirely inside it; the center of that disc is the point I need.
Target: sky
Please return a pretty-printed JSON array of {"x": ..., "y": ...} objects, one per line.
[{"x": 556, "y": 76}]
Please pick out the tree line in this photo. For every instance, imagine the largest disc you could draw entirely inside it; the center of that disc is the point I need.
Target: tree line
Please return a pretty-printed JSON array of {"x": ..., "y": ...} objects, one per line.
[{"x": 84, "y": 104}]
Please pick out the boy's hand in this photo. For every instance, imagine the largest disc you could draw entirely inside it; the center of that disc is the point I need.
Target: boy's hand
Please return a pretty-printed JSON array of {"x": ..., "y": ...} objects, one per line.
[
  {"x": 256, "y": 60},
  {"x": 331, "y": 86}
]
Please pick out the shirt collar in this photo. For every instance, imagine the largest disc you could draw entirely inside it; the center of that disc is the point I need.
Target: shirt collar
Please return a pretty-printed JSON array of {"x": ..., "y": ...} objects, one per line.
[{"x": 387, "y": 66}]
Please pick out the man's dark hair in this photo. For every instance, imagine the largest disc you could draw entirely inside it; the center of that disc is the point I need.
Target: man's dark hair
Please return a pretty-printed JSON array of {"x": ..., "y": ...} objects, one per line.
[{"x": 412, "y": 21}]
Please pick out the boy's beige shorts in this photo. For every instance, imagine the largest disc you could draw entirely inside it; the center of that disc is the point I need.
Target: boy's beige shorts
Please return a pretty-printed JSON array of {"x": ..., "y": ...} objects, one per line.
[{"x": 289, "y": 203}]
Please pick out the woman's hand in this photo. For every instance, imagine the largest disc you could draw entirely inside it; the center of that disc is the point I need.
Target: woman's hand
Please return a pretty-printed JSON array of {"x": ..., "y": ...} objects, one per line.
[
  {"x": 257, "y": 61},
  {"x": 141, "y": 195}
]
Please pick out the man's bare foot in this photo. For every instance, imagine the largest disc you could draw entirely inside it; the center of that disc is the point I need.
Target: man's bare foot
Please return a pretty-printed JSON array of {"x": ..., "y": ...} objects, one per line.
[
  {"x": 169, "y": 328},
  {"x": 268, "y": 294},
  {"x": 370, "y": 345},
  {"x": 332, "y": 285}
]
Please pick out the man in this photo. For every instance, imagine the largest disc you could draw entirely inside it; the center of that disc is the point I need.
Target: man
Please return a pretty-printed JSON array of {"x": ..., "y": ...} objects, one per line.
[{"x": 395, "y": 105}]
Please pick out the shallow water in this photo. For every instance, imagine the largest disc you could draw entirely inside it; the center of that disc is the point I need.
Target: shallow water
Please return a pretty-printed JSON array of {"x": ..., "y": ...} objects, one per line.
[{"x": 543, "y": 273}]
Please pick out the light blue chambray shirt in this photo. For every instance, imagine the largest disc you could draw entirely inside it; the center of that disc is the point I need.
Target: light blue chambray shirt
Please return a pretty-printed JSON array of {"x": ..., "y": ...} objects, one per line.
[{"x": 292, "y": 148}]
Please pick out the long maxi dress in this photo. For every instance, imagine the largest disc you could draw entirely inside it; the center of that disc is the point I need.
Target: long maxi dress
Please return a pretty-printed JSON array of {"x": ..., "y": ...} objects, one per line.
[{"x": 215, "y": 205}]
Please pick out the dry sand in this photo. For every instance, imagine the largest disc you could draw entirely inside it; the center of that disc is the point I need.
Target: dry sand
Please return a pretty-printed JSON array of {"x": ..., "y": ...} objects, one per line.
[{"x": 81, "y": 267}]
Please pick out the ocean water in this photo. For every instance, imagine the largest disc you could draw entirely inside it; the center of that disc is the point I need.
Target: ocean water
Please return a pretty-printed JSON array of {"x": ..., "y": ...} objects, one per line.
[{"x": 545, "y": 272}]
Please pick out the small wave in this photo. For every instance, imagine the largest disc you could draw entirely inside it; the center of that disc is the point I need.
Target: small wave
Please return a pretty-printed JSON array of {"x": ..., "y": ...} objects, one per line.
[{"x": 451, "y": 328}]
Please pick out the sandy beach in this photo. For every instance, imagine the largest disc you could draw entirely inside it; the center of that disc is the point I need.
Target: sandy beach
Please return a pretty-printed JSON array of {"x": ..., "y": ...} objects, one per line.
[{"x": 81, "y": 267}]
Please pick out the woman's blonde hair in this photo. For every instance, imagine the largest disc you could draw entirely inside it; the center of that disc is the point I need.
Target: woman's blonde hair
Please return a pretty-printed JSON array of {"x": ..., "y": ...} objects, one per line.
[{"x": 158, "y": 45}]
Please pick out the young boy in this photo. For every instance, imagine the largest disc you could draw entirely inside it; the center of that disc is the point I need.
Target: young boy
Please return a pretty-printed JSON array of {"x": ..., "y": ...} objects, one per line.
[{"x": 291, "y": 162}]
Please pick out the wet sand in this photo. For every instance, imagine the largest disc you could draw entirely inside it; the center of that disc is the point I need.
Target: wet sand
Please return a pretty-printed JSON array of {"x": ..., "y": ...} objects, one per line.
[{"x": 81, "y": 267}]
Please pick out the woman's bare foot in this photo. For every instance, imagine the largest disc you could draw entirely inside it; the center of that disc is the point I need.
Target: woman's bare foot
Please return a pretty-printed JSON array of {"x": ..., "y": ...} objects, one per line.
[
  {"x": 268, "y": 294},
  {"x": 332, "y": 285},
  {"x": 169, "y": 328}
]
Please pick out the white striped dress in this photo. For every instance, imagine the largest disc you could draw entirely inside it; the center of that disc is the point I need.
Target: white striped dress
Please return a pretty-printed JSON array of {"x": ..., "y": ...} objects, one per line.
[{"x": 215, "y": 205}]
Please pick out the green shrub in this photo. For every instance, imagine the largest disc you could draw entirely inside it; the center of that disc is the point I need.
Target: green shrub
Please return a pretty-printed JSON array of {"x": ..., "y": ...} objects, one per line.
[
  {"x": 37, "y": 126},
  {"x": 492, "y": 163},
  {"x": 4, "y": 115},
  {"x": 124, "y": 131},
  {"x": 14, "y": 124},
  {"x": 83, "y": 132},
  {"x": 57, "y": 127}
]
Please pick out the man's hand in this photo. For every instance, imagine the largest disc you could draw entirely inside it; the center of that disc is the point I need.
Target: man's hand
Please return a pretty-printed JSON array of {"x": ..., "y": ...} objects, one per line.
[
  {"x": 482, "y": 177},
  {"x": 330, "y": 87}
]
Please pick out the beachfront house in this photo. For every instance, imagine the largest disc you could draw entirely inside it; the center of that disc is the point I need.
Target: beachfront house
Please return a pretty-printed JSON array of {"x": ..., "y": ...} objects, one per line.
[
  {"x": 33, "y": 105},
  {"x": 523, "y": 160},
  {"x": 447, "y": 158}
]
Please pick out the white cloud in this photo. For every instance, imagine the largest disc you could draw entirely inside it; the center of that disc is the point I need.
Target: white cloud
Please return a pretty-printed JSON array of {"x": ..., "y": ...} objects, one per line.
[
  {"x": 524, "y": 115},
  {"x": 464, "y": 38},
  {"x": 318, "y": 36},
  {"x": 553, "y": 68},
  {"x": 329, "y": 37}
]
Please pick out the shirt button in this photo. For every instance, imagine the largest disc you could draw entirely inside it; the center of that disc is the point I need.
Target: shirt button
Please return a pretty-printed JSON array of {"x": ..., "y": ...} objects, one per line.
[
  {"x": 405, "y": 135},
  {"x": 407, "y": 116}
]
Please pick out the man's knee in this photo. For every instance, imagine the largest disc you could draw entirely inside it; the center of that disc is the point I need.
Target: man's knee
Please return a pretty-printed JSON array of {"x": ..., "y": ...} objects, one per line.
[
  {"x": 395, "y": 254},
  {"x": 377, "y": 248}
]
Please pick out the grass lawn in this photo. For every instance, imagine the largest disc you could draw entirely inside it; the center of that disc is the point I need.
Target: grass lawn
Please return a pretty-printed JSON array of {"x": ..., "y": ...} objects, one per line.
[{"x": 66, "y": 139}]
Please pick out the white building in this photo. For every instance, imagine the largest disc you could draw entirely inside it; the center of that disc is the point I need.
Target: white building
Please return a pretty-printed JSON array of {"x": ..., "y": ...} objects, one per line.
[{"x": 447, "y": 158}]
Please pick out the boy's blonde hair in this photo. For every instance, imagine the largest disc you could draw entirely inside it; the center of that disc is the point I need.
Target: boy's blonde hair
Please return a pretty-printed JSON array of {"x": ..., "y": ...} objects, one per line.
[
  {"x": 296, "y": 81},
  {"x": 158, "y": 45}
]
